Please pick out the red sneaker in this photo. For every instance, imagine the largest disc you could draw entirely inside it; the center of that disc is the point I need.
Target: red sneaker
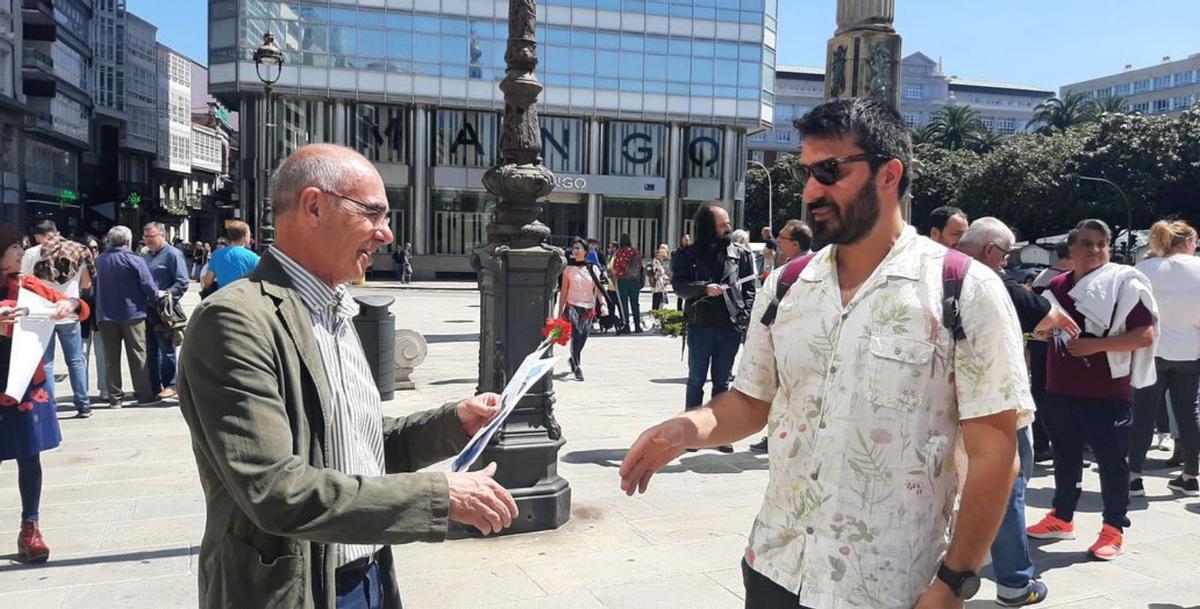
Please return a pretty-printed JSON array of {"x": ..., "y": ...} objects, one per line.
[
  {"x": 1109, "y": 545},
  {"x": 1052, "y": 527},
  {"x": 31, "y": 548}
]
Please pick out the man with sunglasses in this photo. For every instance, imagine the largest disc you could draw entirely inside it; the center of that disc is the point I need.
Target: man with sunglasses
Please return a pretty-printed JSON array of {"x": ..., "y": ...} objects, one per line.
[
  {"x": 989, "y": 241},
  {"x": 866, "y": 391},
  {"x": 307, "y": 483}
]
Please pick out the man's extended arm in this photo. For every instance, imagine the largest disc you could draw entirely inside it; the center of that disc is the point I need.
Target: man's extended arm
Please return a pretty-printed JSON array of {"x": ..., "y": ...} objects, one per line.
[
  {"x": 683, "y": 279},
  {"x": 230, "y": 397},
  {"x": 422, "y": 439}
]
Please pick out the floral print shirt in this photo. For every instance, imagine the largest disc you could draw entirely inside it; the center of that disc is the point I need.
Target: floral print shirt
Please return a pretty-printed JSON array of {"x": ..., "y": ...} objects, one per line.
[{"x": 867, "y": 400}]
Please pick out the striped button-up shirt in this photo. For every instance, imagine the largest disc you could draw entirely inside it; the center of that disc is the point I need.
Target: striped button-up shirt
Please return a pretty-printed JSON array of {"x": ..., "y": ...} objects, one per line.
[{"x": 357, "y": 422}]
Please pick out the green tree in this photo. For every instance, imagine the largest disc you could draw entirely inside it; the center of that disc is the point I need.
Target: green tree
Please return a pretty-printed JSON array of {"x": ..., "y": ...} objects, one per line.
[
  {"x": 987, "y": 141},
  {"x": 956, "y": 127},
  {"x": 1110, "y": 105},
  {"x": 938, "y": 176},
  {"x": 1059, "y": 114},
  {"x": 787, "y": 203}
]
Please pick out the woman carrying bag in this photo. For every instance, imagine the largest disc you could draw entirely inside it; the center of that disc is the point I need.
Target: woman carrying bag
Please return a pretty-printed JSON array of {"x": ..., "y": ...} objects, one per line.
[
  {"x": 579, "y": 297},
  {"x": 28, "y": 423}
]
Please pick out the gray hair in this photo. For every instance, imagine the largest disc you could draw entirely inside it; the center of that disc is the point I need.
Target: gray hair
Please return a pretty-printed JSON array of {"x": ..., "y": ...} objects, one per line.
[
  {"x": 740, "y": 236},
  {"x": 984, "y": 231},
  {"x": 325, "y": 167},
  {"x": 158, "y": 226},
  {"x": 119, "y": 236}
]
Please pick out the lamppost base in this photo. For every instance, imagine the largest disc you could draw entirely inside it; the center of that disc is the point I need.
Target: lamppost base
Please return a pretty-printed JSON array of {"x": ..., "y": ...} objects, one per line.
[{"x": 527, "y": 467}]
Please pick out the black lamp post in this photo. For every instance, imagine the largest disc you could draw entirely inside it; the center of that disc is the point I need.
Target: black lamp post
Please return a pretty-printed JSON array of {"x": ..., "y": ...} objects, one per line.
[
  {"x": 518, "y": 274},
  {"x": 268, "y": 62},
  {"x": 1128, "y": 214}
]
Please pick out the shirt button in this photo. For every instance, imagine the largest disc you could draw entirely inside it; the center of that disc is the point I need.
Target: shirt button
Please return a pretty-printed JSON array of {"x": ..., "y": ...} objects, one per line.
[
  {"x": 810, "y": 530},
  {"x": 813, "y": 475},
  {"x": 822, "y": 425},
  {"x": 833, "y": 370}
]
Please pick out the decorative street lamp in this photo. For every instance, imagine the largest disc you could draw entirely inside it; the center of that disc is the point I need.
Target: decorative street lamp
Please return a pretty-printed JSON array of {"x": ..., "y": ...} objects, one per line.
[
  {"x": 518, "y": 274},
  {"x": 1128, "y": 215},
  {"x": 268, "y": 62},
  {"x": 770, "y": 192}
]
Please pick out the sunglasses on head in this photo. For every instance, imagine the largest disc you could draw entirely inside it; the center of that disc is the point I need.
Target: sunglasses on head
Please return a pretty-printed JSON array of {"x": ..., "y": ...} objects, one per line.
[{"x": 828, "y": 172}]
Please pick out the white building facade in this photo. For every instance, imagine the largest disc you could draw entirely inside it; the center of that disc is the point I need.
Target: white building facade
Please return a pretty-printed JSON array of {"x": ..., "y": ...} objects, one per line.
[{"x": 1167, "y": 88}]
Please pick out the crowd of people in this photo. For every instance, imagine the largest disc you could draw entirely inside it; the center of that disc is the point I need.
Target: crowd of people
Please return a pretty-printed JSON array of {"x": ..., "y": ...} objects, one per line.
[
  {"x": 888, "y": 368},
  {"x": 115, "y": 295}
]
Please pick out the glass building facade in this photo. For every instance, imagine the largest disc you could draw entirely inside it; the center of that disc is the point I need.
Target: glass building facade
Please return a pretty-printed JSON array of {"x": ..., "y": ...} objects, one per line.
[{"x": 645, "y": 110}]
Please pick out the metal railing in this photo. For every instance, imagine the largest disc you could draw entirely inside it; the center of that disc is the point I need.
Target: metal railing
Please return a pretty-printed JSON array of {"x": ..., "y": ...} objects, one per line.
[{"x": 33, "y": 57}]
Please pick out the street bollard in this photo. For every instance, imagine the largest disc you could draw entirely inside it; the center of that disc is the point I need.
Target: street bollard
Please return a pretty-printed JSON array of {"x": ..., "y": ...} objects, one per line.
[{"x": 376, "y": 327}]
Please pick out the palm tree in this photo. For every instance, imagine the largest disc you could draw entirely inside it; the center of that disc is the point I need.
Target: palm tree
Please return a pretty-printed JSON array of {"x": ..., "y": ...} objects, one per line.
[
  {"x": 987, "y": 141},
  {"x": 924, "y": 135},
  {"x": 955, "y": 127},
  {"x": 1059, "y": 114},
  {"x": 1111, "y": 105}
]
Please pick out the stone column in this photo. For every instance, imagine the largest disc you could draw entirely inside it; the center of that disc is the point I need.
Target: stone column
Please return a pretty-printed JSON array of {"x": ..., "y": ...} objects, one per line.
[
  {"x": 864, "y": 53},
  {"x": 674, "y": 203},
  {"x": 518, "y": 274},
  {"x": 419, "y": 145}
]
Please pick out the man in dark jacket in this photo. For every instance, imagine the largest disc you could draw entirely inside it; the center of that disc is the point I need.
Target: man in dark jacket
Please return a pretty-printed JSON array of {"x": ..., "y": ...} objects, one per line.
[
  {"x": 169, "y": 270},
  {"x": 989, "y": 241},
  {"x": 716, "y": 279},
  {"x": 125, "y": 291}
]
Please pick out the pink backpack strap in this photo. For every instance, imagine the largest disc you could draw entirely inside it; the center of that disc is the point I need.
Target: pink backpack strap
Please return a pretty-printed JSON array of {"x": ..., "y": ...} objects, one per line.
[
  {"x": 954, "y": 272},
  {"x": 789, "y": 276}
]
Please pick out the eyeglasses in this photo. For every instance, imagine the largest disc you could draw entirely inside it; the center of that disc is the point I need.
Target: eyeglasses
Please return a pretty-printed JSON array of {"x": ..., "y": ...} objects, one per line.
[
  {"x": 377, "y": 215},
  {"x": 578, "y": 249},
  {"x": 828, "y": 172}
]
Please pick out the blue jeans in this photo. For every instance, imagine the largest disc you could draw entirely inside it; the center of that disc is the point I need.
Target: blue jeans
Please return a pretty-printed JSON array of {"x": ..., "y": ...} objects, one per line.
[
  {"x": 1010, "y": 551},
  {"x": 160, "y": 358},
  {"x": 95, "y": 345},
  {"x": 72, "y": 346},
  {"x": 368, "y": 594},
  {"x": 710, "y": 349}
]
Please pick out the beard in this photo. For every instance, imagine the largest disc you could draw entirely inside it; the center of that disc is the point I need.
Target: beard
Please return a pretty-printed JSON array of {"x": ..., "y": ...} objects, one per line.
[{"x": 849, "y": 226}]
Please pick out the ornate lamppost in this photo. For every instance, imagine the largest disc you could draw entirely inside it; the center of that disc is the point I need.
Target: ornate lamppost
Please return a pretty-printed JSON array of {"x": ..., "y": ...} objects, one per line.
[
  {"x": 268, "y": 62},
  {"x": 518, "y": 274}
]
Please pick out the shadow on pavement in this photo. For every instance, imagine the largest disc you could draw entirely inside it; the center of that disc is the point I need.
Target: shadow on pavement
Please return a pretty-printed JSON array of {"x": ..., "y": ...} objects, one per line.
[
  {"x": 455, "y": 382},
  {"x": 704, "y": 462},
  {"x": 677, "y": 381},
  {"x": 144, "y": 556},
  {"x": 435, "y": 339}
]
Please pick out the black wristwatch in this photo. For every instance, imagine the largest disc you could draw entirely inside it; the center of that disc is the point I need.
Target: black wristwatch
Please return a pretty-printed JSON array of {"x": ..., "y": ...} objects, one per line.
[{"x": 964, "y": 584}]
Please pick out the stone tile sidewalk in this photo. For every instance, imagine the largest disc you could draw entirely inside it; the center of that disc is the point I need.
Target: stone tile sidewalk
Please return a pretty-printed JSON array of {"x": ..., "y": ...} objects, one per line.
[{"x": 123, "y": 512}]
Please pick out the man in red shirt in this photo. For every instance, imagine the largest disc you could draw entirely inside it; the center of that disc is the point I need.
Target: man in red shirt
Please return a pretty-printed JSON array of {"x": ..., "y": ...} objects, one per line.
[
  {"x": 1085, "y": 403},
  {"x": 627, "y": 267}
]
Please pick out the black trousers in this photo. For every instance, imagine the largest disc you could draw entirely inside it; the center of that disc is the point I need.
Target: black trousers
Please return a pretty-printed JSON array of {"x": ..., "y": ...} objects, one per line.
[
  {"x": 762, "y": 593},
  {"x": 1106, "y": 426},
  {"x": 1037, "y": 386},
  {"x": 1182, "y": 380}
]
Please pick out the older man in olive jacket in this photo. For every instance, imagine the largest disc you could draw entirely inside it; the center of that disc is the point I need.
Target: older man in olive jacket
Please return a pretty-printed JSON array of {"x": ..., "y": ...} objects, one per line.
[{"x": 305, "y": 480}]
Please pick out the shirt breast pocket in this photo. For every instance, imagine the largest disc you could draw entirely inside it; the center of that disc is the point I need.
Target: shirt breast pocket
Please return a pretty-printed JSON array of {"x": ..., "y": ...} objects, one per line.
[{"x": 899, "y": 372}]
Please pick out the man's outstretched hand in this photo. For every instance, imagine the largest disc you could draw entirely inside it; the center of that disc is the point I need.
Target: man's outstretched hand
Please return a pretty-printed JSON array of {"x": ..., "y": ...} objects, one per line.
[
  {"x": 655, "y": 448},
  {"x": 479, "y": 501}
]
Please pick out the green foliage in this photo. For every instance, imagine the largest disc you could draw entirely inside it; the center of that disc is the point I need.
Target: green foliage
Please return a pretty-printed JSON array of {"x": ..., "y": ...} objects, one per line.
[
  {"x": 787, "y": 193},
  {"x": 670, "y": 321},
  {"x": 1031, "y": 181},
  {"x": 1057, "y": 114},
  {"x": 956, "y": 127}
]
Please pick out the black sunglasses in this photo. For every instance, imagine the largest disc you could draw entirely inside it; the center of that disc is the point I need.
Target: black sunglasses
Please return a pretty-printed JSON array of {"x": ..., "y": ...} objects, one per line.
[{"x": 828, "y": 172}]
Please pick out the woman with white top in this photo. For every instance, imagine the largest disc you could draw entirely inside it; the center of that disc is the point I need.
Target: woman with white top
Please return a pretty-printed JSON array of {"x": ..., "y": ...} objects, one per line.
[
  {"x": 579, "y": 295},
  {"x": 1174, "y": 275}
]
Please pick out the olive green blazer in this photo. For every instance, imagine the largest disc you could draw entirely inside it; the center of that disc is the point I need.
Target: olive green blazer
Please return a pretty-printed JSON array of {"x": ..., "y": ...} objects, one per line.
[{"x": 253, "y": 392}]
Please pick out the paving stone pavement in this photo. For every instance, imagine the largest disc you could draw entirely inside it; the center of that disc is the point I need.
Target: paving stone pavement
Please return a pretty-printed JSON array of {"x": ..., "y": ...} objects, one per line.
[{"x": 123, "y": 512}]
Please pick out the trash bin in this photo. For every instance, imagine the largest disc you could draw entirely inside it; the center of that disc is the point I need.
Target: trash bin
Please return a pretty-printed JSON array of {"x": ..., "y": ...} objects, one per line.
[{"x": 376, "y": 327}]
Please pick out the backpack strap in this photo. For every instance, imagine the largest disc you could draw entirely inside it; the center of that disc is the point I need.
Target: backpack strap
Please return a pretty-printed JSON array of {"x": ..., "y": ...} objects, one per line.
[
  {"x": 954, "y": 272},
  {"x": 788, "y": 276}
]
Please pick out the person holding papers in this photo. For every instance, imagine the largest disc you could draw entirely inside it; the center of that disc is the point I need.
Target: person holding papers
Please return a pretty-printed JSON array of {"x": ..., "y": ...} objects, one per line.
[
  {"x": 307, "y": 484},
  {"x": 28, "y": 423}
]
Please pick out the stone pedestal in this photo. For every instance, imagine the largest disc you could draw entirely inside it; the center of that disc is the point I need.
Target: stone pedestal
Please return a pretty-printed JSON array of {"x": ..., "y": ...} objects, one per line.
[{"x": 411, "y": 351}]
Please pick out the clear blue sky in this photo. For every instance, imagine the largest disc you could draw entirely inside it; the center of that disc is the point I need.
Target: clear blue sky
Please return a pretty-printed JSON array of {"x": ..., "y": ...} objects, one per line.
[{"x": 1039, "y": 42}]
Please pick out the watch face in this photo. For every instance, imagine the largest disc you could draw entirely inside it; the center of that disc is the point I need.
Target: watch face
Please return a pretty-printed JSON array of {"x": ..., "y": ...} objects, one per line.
[{"x": 969, "y": 588}]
